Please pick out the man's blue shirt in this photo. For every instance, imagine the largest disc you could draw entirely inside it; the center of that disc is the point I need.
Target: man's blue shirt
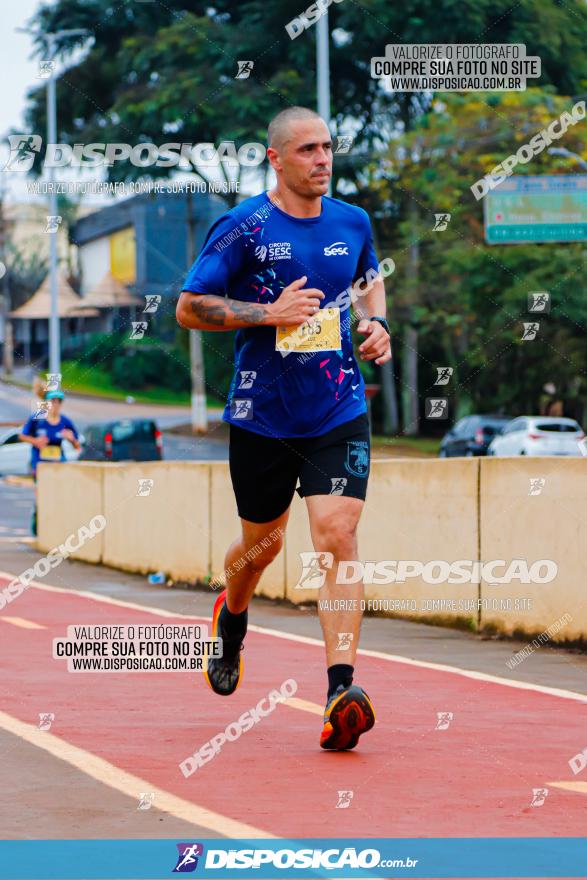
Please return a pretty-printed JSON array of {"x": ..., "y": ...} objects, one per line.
[{"x": 251, "y": 254}]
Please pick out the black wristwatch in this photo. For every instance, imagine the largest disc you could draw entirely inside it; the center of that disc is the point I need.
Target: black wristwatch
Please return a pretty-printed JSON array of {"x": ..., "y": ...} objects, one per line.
[{"x": 383, "y": 323}]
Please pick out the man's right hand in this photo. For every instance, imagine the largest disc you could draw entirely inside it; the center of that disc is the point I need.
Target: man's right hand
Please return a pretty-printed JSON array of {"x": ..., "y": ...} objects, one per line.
[
  {"x": 41, "y": 441},
  {"x": 295, "y": 305}
]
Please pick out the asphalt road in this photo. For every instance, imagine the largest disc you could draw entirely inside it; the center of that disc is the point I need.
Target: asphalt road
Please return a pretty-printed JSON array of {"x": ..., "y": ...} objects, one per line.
[{"x": 15, "y": 406}]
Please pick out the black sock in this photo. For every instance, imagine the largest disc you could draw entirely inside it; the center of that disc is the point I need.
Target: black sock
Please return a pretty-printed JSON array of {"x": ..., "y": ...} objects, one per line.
[
  {"x": 232, "y": 629},
  {"x": 340, "y": 673}
]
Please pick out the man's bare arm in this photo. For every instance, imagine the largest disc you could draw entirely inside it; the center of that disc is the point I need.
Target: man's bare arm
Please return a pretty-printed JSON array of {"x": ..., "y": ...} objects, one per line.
[
  {"x": 202, "y": 311},
  {"x": 208, "y": 312}
]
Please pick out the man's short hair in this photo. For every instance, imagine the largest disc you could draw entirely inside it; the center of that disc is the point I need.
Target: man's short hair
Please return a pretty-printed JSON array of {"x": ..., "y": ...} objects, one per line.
[{"x": 279, "y": 131}]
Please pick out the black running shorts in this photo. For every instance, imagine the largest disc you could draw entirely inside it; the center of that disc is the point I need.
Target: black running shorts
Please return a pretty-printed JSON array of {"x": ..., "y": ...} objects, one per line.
[{"x": 266, "y": 470}]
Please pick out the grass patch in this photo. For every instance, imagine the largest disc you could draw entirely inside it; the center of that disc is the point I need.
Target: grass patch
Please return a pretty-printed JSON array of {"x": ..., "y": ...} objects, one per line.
[
  {"x": 96, "y": 381},
  {"x": 418, "y": 446}
]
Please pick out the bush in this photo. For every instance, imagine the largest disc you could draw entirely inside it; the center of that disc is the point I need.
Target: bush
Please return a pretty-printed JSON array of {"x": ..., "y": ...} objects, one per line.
[{"x": 139, "y": 367}]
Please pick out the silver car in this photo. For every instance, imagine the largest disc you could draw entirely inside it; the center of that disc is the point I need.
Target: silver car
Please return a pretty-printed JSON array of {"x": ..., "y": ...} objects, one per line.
[{"x": 540, "y": 435}]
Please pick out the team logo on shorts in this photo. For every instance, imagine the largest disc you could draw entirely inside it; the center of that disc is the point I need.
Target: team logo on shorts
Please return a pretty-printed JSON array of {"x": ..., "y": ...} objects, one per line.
[
  {"x": 187, "y": 860},
  {"x": 357, "y": 458}
]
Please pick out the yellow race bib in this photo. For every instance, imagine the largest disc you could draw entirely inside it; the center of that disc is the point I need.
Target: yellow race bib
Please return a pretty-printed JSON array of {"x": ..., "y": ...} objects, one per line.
[
  {"x": 323, "y": 334},
  {"x": 50, "y": 453}
]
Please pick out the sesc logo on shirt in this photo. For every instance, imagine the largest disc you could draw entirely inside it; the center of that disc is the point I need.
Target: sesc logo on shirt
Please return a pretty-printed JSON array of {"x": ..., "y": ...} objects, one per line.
[{"x": 337, "y": 249}]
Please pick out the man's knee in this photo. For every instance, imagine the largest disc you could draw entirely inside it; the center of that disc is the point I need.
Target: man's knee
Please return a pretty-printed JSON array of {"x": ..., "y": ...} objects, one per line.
[
  {"x": 338, "y": 538},
  {"x": 262, "y": 554}
]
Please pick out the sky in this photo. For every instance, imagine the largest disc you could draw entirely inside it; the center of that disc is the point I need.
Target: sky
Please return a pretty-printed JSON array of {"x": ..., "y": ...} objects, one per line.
[{"x": 16, "y": 66}]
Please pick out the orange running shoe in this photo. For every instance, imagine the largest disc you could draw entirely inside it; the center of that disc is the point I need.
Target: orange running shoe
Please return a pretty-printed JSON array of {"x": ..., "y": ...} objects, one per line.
[
  {"x": 349, "y": 713},
  {"x": 224, "y": 674}
]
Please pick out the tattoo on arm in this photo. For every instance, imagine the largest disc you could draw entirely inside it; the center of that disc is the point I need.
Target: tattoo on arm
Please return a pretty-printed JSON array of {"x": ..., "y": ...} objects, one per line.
[{"x": 220, "y": 312}]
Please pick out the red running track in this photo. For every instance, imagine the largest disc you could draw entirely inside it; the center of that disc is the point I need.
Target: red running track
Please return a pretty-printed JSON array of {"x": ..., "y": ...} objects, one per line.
[{"x": 409, "y": 780}]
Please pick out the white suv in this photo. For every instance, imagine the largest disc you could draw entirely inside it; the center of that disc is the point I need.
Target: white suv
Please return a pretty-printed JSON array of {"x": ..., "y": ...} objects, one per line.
[{"x": 539, "y": 435}]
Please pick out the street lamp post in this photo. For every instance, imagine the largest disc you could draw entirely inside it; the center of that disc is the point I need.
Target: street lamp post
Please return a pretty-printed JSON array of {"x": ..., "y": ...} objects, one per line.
[
  {"x": 323, "y": 72},
  {"x": 54, "y": 329}
]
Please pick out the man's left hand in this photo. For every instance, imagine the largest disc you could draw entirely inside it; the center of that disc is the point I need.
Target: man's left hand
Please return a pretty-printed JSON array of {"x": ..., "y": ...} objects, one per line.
[{"x": 377, "y": 345}]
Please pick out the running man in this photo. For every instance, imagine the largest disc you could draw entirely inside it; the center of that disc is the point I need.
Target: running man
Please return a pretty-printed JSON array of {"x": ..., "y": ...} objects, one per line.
[{"x": 273, "y": 268}]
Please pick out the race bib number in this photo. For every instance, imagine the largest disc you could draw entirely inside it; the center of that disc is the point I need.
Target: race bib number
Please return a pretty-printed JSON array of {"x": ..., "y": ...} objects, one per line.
[
  {"x": 51, "y": 453},
  {"x": 323, "y": 334}
]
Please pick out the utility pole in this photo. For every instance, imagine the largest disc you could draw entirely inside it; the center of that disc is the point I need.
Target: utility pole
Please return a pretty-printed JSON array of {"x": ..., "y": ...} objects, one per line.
[
  {"x": 323, "y": 73},
  {"x": 51, "y": 40},
  {"x": 199, "y": 410}
]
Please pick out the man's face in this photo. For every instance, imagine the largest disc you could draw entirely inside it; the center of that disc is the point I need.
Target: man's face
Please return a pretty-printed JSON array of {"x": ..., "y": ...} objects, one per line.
[{"x": 305, "y": 160}]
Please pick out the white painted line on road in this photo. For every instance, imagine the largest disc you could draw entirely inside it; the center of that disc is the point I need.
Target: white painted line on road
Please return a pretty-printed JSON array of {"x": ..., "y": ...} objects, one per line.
[
  {"x": 126, "y": 783},
  {"x": 304, "y": 706},
  {"x": 578, "y": 787},
  {"x": 22, "y": 622},
  {"x": 306, "y": 640}
]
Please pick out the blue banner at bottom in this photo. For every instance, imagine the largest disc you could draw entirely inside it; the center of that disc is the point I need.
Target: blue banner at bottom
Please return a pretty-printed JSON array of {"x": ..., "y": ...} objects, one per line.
[{"x": 490, "y": 857}]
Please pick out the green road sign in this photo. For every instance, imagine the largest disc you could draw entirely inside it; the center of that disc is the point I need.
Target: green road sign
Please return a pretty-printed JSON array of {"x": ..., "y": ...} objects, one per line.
[{"x": 537, "y": 209}]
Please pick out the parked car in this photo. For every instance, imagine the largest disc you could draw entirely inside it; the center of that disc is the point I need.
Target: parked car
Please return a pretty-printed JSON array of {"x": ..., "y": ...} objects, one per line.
[
  {"x": 539, "y": 435},
  {"x": 472, "y": 435},
  {"x": 123, "y": 440},
  {"x": 15, "y": 456}
]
